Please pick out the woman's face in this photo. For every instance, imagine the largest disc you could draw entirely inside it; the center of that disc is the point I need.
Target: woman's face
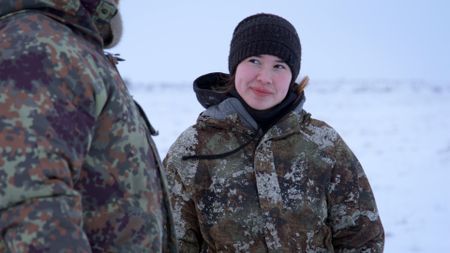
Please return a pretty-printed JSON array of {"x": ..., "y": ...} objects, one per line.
[{"x": 262, "y": 81}]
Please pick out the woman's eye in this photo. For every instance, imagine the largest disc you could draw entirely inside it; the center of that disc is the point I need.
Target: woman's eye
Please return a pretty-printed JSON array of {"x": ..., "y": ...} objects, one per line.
[
  {"x": 280, "y": 66},
  {"x": 253, "y": 60}
]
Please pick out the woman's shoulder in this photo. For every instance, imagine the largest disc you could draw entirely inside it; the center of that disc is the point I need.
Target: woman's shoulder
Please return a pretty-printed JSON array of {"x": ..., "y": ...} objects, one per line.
[
  {"x": 186, "y": 139},
  {"x": 307, "y": 120},
  {"x": 188, "y": 142},
  {"x": 318, "y": 131},
  {"x": 184, "y": 145}
]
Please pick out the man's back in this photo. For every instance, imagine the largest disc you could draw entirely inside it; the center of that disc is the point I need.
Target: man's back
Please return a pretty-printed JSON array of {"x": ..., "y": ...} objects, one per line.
[{"x": 79, "y": 170}]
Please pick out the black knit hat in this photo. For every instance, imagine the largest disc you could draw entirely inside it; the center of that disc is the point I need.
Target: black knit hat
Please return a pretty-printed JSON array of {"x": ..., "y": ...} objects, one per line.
[{"x": 265, "y": 34}]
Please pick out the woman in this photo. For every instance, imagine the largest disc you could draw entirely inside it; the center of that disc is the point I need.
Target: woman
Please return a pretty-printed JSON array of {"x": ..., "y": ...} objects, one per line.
[{"x": 256, "y": 173}]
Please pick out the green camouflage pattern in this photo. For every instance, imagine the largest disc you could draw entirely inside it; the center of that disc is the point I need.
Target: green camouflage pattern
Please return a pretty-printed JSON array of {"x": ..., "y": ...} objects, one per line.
[
  {"x": 79, "y": 171},
  {"x": 296, "y": 188}
]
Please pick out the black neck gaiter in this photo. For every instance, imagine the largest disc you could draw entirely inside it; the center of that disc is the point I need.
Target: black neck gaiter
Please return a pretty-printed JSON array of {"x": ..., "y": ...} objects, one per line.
[{"x": 267, "y": 118}]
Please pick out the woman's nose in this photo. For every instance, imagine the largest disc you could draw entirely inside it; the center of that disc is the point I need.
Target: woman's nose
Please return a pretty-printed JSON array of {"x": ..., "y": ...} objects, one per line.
[{"x": 264, "y": 76}]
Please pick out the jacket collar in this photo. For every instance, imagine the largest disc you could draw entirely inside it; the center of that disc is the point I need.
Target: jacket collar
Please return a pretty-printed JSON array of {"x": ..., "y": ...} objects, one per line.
[
  {"x": 288, "y": 125},
  {"x": 231, "y": 115},
  {"x": 231, "y": 109}
]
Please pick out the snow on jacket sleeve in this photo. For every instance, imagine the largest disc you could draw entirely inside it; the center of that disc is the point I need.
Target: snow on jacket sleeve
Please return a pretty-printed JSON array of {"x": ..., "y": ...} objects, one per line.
[
  {"x": 48, "y": 105},
  {"x": 186, "y": 221},
  {"x": 352, "y": 211}
]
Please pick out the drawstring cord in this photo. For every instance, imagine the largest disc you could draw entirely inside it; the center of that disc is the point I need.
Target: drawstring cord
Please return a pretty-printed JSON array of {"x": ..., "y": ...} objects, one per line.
[{"x": 306, "y": 118}]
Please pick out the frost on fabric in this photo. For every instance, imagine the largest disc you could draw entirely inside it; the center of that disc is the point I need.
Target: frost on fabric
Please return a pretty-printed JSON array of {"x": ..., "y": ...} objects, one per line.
[
  {"x": 218, "y": 185},
  {"x": 244, "y": 171},
  {"x": 328, "y": 161},
  {"x": 266, "y": 176},
  {"x": 333, "y": 185},
  {"x": 273, "y": 240},
  {"x": 180, "y": 227},
  {"x": 296, "y": 173},
  {"x": 243, "y": 246},
  {"x": 294, "y": 176},
  {"x": 177, "y": 189},
  {"x": 324, "y": 137},
  {"x": 268, "y": 187},
  {"x": 349, "y": 220},
  {"x": 184, "y": 146}
]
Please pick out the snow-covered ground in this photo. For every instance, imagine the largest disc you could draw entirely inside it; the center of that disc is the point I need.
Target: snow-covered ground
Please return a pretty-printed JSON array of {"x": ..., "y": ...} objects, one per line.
[{"x": 400, "y": 131}]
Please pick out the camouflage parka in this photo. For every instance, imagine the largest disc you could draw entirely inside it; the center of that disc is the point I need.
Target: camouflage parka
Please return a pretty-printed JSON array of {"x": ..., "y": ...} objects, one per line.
[
  {"x": 78, "y": 169},
  {"x": 295, "y": 188}
]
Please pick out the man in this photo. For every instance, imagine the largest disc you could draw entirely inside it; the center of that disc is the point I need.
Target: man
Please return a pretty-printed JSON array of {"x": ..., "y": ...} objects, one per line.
[{"x": 78, "y": 169}]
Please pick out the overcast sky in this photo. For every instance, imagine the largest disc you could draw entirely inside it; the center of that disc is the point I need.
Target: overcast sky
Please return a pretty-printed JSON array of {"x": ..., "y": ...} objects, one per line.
[{"x": 176, "y": 41}]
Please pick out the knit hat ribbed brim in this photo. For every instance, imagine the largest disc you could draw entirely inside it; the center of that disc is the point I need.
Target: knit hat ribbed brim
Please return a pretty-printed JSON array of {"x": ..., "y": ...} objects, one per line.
[{"x": 265, "y": 34}]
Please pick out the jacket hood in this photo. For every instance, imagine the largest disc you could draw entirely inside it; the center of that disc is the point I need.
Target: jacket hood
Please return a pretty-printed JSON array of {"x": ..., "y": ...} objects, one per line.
[
  {"x": 92, "y": 17},
  {"x": 211, "y": 89}
]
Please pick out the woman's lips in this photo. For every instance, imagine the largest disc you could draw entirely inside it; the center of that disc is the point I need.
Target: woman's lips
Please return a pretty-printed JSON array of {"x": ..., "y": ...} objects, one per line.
[{"x": 261, "y": 91}]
